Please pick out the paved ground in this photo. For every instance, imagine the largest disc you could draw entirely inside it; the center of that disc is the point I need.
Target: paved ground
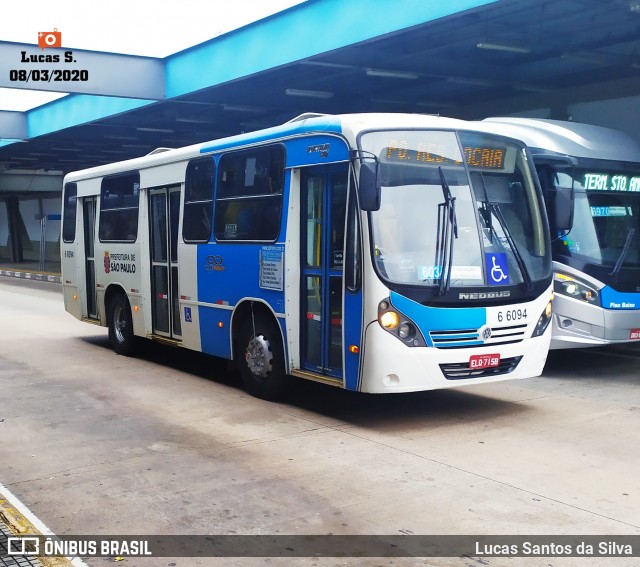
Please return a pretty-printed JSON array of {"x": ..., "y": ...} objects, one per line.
[{"x": 168, "y": 443}]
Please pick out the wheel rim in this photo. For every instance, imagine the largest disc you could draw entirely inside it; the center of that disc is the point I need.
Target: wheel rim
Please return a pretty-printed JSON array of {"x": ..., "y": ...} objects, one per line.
[
  {"x": 120, "y": 327},
  {"x": 258, "y": 356}
]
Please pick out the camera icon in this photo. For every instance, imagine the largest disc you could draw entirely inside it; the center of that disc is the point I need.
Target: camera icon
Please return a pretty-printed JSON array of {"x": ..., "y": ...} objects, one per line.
[
  {"x": 23, "y": 545},
  {"x": 50, "y": 39}
]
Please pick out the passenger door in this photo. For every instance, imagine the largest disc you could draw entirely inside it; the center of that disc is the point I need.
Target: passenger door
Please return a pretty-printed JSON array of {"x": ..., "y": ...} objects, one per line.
[
  {"x": 89, "y": 233},
  {"x": 324, "y": 201},
  {"x": 164, "y": 213}
]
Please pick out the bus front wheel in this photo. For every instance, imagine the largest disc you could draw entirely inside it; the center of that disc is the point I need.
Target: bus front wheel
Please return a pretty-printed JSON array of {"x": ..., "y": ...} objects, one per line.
[
  {"x": 261, "y": 358},
  {"x": 121, "y": 325}
]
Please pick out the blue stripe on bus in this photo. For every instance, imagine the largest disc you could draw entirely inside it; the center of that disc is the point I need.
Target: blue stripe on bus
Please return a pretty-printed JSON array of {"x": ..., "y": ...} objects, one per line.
[
  {"x": 612, "y": 299},
  {"x": 429, "y": 319},
  {"x": 316, "y": 150},
  {"x": 232, "y": 276},
  {"x": 459, "y": 344},
  {"x": 325, "y": 124},
  {"x": 352, "y": 336},
  {"x": 213, "y": 338}
]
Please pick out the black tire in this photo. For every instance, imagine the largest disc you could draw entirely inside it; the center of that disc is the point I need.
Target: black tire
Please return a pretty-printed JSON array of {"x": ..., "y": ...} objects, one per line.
[
  {"x": 121, "y": 325},
  {"x": 260, "y": 357}
]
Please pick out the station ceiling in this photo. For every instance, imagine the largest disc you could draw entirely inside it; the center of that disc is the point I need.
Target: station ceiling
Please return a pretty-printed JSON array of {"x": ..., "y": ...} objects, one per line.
[{"x": 493, "y": 59}]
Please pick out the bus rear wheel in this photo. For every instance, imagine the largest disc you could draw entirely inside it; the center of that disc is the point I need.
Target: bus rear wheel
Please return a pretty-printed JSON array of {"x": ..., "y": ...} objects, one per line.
[
  {"x": 121, "y": 325},
  {"x": 261, "y": 358}
]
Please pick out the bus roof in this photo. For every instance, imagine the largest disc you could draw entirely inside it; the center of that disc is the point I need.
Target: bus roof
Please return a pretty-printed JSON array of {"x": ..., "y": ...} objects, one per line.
[
  {"x": 568, "y": 138},
  {"x": 345, "y": 124}
]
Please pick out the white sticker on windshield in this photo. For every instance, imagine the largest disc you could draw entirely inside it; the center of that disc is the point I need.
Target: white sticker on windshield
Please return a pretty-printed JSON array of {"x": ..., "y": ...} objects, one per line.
[{"x": 466, "y": 273}]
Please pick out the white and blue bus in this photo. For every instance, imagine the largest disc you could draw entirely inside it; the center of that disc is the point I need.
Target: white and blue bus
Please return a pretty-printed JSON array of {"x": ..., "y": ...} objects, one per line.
[
  {"x": 374, "y": 252},
  {"x": 590, "y": 178}
]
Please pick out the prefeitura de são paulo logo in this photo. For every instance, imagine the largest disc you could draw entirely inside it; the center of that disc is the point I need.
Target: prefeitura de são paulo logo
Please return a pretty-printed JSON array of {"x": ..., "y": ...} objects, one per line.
[{"x": 107, "y": 262}]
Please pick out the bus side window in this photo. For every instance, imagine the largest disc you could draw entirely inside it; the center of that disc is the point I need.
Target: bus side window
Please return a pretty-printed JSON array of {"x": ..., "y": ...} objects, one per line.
[
  {"x": 249, "y": 195},
  {"x": 198, "y": 200},
  {"x": 119, "y": 203},
  {"x": 69, "y": 212}
]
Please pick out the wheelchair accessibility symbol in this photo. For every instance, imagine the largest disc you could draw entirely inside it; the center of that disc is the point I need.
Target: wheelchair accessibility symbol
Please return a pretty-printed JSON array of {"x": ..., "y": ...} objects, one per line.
[{"x": 497, "y": 269}]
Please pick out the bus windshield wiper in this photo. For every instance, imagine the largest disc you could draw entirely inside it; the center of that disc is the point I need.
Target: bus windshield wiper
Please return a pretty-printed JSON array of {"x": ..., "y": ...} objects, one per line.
[
  {"x": 625, "y": 250},
  {"x": 495, "y": 209},
  {"x": 447, "y": 232},
  {"x": 484, "y": 210}
]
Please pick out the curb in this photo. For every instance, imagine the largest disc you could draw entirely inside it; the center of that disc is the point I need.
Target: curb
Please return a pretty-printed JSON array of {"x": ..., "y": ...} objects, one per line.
[{"x": 37, "y": 276}]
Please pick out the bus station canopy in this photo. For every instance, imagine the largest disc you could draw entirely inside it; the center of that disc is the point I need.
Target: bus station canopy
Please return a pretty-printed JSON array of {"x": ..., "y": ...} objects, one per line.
[{"x": 461, "y": 58}]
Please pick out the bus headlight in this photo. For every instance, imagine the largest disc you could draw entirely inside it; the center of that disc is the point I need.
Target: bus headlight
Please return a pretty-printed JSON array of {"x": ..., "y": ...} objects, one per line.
[
  {"x": 569, "y": 286},
  {"x": 544, "y": 320},
  {"x": 406, "y": 331},
  {"x": 389, "y": 320},
  {"x": 399, "y": 325}
]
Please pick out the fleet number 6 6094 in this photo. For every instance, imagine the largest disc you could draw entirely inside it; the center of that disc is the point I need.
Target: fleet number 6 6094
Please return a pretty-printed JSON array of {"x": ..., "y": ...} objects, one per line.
[{"x": 511, "y": 315}]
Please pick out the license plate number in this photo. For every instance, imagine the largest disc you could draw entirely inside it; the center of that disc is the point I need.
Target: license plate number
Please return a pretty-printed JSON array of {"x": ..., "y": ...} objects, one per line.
[
  {"x": 634, "y": 334},
  {"x": 484, "y": 361}
]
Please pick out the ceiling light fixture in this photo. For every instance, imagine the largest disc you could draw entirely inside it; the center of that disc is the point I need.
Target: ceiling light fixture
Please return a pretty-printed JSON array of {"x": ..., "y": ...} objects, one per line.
[
  {"x": 392, "y": 74},
  {"x": 470, "y": 81},
  {"x": 503, "y": 47},
  {"x": 327, "y": 65},
  {"x": 193, "y": 121},
  {"x": 241, "y": 108},
  {"x": 310, "y": 94},
  {"x": 165, "y": 130}
]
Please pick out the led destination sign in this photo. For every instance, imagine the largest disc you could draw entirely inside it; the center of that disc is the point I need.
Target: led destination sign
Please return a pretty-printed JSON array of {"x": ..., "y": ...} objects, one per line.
[
  {"x": 609, "y": 182},
  {"x": 484, "y": 157}
]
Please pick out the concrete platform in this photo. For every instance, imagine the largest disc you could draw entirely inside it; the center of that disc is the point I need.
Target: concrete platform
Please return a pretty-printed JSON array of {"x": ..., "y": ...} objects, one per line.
[{"x": 168, "y": 443}]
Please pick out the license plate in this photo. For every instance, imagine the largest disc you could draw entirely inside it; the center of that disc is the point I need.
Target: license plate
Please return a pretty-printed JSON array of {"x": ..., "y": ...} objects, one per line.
[
  {"x": 634, "y": 334},
  {"x": 484, "y": 361}
]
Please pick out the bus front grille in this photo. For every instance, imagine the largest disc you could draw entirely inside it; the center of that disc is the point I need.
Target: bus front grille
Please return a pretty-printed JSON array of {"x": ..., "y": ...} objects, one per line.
[
  {"x": 461, "y": 370},
  {"x": 467, "y": 338}
]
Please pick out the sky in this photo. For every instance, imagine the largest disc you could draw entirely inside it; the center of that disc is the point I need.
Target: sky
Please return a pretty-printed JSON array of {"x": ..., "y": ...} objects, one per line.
[{"x": 137, "y": 27}]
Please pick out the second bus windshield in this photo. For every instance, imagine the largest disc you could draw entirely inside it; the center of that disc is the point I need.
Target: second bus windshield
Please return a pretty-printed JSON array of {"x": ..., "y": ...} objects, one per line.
[{"x": 606, "y": 208}]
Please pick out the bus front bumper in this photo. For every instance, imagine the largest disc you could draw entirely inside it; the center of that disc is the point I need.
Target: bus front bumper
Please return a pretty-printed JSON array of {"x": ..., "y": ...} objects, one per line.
[{"x": 391, "y": 366}]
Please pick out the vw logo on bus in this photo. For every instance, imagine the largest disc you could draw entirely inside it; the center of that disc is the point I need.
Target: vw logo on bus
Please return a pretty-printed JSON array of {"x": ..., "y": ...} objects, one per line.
[{"x": 485, "y": 332}]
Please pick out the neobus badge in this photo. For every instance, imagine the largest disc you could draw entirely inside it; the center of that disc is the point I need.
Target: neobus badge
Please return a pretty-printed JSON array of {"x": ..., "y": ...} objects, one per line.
[{"x": 485, "y": 295}]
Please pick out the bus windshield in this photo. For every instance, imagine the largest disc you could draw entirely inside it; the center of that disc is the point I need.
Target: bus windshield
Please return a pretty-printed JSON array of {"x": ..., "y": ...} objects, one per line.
[
  {"x": 456, "y": 205},
  {"x": 605, "y": 225}
]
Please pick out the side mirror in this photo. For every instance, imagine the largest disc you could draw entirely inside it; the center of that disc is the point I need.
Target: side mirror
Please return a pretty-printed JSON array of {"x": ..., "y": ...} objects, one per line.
[
  {"x": 563, "y": 198},
  {"x": 369, "y": 188}
]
